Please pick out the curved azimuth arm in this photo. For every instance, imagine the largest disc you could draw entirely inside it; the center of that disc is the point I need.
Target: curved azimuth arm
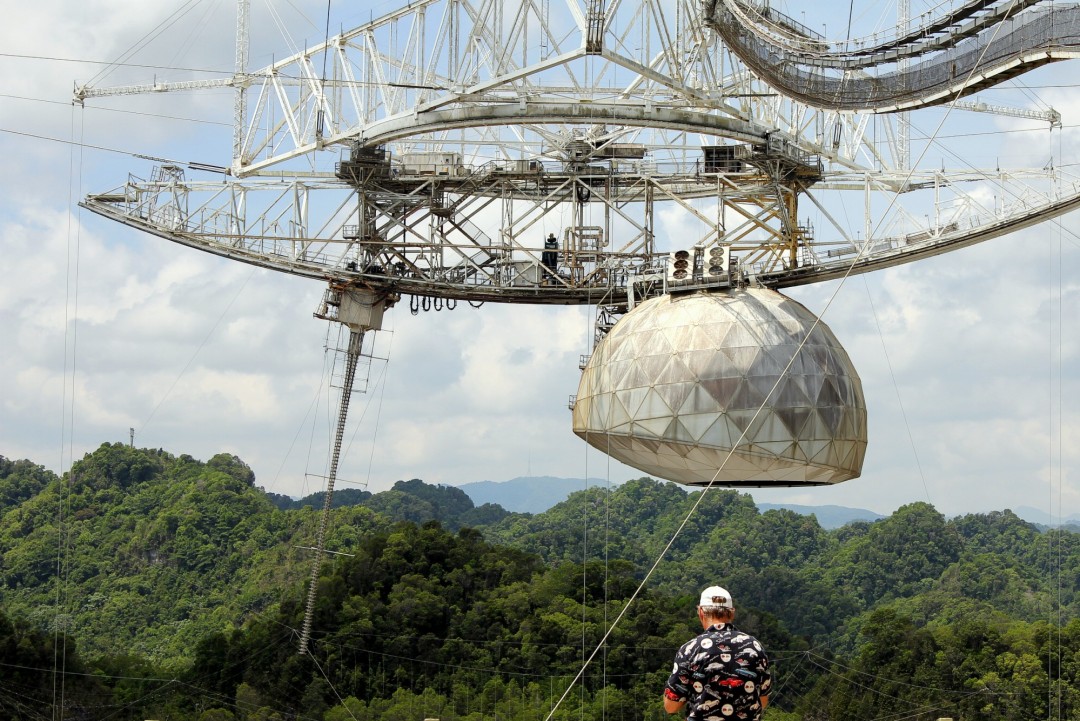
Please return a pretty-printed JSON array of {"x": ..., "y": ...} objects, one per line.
[{"x": 974, "y": 47}]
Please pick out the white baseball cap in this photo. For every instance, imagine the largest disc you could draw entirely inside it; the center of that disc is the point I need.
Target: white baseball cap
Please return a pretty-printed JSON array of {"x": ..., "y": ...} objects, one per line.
[{"x": 716, "y": 596}]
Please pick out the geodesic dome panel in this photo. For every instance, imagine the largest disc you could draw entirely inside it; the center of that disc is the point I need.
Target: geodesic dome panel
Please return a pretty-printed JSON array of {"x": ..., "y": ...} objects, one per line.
[{"x": 694, "y": 386}]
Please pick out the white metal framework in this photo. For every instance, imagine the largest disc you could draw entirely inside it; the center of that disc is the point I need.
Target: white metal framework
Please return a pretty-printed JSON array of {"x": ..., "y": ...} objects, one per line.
[{"x": 428, "y": 151}]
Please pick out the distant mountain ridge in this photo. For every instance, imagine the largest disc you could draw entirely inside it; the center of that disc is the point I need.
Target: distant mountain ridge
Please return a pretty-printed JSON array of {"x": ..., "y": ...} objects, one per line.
[
  {"x": 1042, "y": 518},
  {"x": 828, "y": 517},
  {"x": 527, "y": 494},
  {"x": 536, "y": 494}
]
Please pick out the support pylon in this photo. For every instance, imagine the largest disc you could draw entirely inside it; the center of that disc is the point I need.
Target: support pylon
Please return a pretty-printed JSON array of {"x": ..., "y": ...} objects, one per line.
[
  {"x": 352, "y": 356},
  {"x": 360, "y": 311}
]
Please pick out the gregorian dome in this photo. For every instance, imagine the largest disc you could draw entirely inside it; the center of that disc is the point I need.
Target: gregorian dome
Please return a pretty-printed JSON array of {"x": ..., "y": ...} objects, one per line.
[{"x": 674, "y": 385}]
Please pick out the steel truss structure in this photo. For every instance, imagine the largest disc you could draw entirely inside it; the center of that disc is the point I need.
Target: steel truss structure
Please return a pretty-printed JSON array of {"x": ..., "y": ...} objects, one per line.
[{"x": 429, "y": 152}]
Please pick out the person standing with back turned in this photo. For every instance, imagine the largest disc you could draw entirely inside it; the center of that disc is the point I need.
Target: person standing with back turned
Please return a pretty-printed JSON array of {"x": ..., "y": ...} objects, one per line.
[{"x": 723, "y": 673}]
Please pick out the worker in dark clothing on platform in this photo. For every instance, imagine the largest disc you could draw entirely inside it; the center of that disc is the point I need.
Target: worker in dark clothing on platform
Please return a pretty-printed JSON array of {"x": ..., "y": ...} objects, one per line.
[
  {"x": 550, "y": 256},
  {"x": 723, "y": 673}
]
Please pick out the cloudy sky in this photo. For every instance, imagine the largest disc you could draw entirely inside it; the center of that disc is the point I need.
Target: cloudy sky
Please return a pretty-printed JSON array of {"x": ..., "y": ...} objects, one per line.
[{"x": 968, "y": 360}]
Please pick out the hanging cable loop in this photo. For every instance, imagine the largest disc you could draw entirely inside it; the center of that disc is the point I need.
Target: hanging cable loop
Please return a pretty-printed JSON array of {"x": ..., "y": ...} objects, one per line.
[{"x": 414, "y": 305}]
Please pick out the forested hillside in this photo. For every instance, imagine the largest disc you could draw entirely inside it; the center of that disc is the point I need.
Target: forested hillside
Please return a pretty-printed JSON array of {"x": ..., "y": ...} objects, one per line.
[{"x": 166, "y": 587}]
